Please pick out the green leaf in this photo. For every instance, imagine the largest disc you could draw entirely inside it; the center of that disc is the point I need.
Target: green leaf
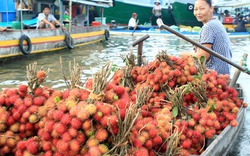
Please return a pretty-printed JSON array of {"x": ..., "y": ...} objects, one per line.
[
  {"x": 175, "y": 111},
  {"x": 202, "y": 59},
  {"x": 213, "y": 107},
  {"x": 57, "y": 99}
]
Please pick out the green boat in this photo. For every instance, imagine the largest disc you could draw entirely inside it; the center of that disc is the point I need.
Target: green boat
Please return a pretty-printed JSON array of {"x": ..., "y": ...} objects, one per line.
[{"x": 174, "y": 12}]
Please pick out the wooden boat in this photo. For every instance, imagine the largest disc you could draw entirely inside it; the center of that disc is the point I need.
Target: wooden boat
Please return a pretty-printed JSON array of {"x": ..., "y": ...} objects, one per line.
[{"x": 30, "y": 41}]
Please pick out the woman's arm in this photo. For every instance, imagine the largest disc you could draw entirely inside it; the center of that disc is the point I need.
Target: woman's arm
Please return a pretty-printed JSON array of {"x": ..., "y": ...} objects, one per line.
[{"x": 199, "y": 52}]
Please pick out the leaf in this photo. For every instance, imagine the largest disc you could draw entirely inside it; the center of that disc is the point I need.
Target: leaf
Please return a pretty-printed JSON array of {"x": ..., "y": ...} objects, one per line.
[
  {"x": 175, "y": 111},
  {"x": 202, "y": 59},
  {"x": 212, "y": 108},
  {"x": 56, "y": 99}
]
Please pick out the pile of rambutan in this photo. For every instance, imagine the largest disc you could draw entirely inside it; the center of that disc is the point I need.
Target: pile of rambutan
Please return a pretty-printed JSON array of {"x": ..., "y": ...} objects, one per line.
[{"x": 86, "y": 121}]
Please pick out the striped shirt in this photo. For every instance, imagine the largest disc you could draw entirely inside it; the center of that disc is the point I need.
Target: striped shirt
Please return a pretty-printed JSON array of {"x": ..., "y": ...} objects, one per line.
[{"x": 213, "y": 32}]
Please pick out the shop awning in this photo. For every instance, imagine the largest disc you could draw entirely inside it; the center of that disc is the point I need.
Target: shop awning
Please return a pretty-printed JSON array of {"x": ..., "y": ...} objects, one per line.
[{"x": 99, "y": 3}]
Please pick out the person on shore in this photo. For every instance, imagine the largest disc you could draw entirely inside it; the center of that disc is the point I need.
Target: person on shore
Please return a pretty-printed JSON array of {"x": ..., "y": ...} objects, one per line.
[
  {"x": 132, "y": 24},
  {"x": 241, "y": 25},
  {"x": 47, "y": 20},
  {"x": 156, "y": 12},
  {"x": 213, "y": 35},
  {"x": 2, "y": 29}
]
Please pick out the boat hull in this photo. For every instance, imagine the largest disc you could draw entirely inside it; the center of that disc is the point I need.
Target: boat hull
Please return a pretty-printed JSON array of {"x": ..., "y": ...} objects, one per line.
[
  {"x": 122, "y": 12},
  {"x": 183, "y": 14},
  {"x": 46, "y": 40}
]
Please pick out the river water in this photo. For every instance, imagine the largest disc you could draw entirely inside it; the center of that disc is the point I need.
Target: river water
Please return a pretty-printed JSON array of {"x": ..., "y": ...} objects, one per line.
[{"x": 92, "y": 57}]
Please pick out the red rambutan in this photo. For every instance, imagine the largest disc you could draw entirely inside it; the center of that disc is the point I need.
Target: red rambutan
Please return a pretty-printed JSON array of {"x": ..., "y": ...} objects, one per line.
[{"x": 101, "y": 135}]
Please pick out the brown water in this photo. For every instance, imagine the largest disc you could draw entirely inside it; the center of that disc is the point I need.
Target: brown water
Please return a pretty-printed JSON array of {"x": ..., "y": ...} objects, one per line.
[{"x": 92, "y": 57}]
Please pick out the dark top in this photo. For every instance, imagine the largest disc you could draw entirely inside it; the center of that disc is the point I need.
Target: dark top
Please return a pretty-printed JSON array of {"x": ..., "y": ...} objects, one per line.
[{"x": 241, "y": 26}]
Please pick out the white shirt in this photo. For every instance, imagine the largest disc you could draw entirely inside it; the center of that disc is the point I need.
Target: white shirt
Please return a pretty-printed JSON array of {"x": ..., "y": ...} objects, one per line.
[
  {"x": 157, "y": 10},
  {"x": 132, "y": 22},
  {"x": 42, "y": 16}
]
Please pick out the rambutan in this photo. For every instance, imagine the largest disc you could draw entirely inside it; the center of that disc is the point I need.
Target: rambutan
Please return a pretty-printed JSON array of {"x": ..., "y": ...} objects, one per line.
[
  {"x": 148, "y": 144},
  {"x": 57, "y": 115},
  {"x": 76, "y": 123},
  {"x": 13, "y": 98},
  {"x": 62, "y": 146},
  {"x": 2, "y": 99},
  {"x": 92, "y": 142},
  {"x": 22, "y": 88},
  {"x": 86, "y": 124},
  {"x": 38, "y": 91},
  {"x": 141, "y": 152},
  {"x": 33, "y": 118},
  {"x": 81, "y": 138},
  {"x": 209, "y": 134},
  {"x": 103, "y": 148},
  {"x": 157, "y": 140},
  {"x": 121, "y": 103},
  {"x": 186, "y": 144},
  {"x": 74, "y": 145},
  {"x": 66, "y": 136},
  {"x": 46, "y": 136},
  {"x": 105, "y": 109},
  {"x": 73, "y": 132},
  {"x": 119, "y": 90},
  {"x": 153, "y": 133},
  {"x": 41, "y": 74},
  {"x": 66, "y": 119},
  {"x": 75, "y": 92},
  {"x": 94, "y": 151},
  {"x": 38, "y": 100},
  {"x": 11, "y": 92},
  {"x": 83, "y": 114},
  {"x": 32, "y": 147},
  {"x": 21, "y": 145},
  {"x": 60, "y": 128},
  {"x": 136, "y": 143},
  {"x": 91, "y": 109},
  {"x": 101, "y": 135},
  {"x": 49, "y": 125},
  {"x": 46, "y": 145},
  {"x": 233, "y": 123}
]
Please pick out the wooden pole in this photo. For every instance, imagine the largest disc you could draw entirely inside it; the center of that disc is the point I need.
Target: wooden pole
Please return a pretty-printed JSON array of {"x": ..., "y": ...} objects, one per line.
[
  {"x": 70, "y": 16},
  {"x": 162, "y": 26},
  {"x": 237, "y": 73},
  {"x": 139, "y": 54}
]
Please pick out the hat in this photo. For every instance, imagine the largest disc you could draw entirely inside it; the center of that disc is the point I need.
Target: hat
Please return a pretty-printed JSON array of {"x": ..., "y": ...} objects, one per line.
[{"x": 157, "y": 1}]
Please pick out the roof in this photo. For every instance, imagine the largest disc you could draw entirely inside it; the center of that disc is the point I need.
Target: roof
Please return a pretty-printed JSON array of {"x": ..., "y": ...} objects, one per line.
[{"x": 99, "y": 3}]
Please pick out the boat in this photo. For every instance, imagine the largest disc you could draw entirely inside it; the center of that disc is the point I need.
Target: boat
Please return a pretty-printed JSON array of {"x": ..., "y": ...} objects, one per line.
[
  {"x": 174, "y": 12},
  {"x": 19, "y": 41},
  {"x": 155, "y": 31},
  {"x": 123, "y": 9}
]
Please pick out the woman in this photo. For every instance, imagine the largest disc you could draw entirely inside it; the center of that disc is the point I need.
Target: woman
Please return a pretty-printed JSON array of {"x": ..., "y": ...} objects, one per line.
[
  {"x": 156, "y": 12},
  {"x": 214, "y": 36}
]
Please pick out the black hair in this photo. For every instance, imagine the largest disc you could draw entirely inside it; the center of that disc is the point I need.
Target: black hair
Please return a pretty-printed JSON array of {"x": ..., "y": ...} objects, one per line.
[
  {"x": 46, "y": 6},
  {"x": 209, "y": 2}
]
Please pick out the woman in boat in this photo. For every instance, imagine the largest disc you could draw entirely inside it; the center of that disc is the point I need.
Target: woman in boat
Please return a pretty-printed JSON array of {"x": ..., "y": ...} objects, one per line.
[
  {"x": 213, "y": 35},
  {"x": 47, "y": 20},
  {"x": 241, "y": 25},
  {"x": 156, "y": 12},
  {"x": 132, "y": 24}
]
